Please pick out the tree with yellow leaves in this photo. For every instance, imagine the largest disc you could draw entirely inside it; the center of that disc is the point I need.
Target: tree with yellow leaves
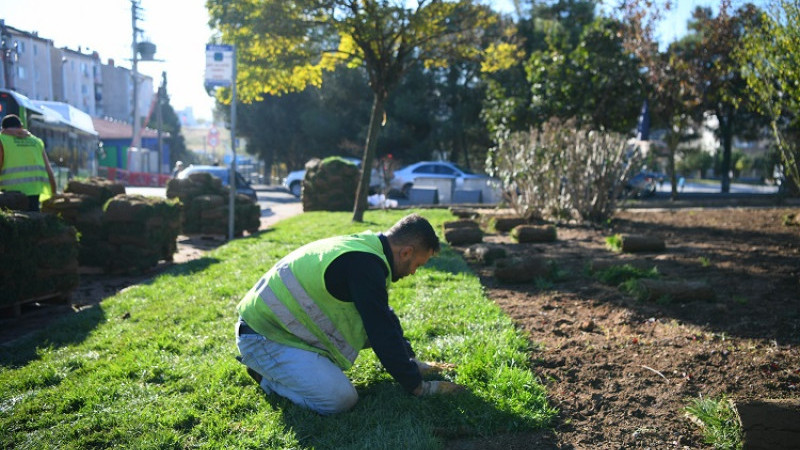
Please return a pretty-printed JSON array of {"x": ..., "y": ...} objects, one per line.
[{"x": 284, "y": 46}]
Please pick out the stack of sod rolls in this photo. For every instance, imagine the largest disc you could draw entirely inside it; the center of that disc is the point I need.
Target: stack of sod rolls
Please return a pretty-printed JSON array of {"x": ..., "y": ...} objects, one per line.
[
  {"x": 330, "y": 184},
  {"x": 81, "y": 205},
  {"x": 38, "y": 256},
  {"x": 141, "y": 231},
  {"x": 205, "y": 206},
  {"x": 118, "y": 232}
]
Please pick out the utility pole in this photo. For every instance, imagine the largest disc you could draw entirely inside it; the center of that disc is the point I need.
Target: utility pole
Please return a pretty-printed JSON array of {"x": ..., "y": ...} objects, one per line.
[
  {"x": 162, "y": 96},
  {"x": 9, "y": 56},
  {"x": 135, "y": 8},
  {"x": 232, "y": 184}
]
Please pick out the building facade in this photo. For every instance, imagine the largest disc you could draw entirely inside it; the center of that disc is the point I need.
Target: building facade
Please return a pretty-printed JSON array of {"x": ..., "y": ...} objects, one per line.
[
  {"x": 34, "y": 67},
  {"x": 26, "y": 63}
]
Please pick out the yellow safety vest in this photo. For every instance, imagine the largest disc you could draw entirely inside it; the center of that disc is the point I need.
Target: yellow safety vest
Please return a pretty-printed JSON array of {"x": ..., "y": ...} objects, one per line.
[
  {"x": 23, "y": 166},
  {"x": 290, "y": 304}
]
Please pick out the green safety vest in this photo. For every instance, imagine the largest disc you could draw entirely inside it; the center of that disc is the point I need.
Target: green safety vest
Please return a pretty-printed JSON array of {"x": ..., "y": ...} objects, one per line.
[
  {"x": 290, "y": 304},
  {"x": 23, "y": 166}
]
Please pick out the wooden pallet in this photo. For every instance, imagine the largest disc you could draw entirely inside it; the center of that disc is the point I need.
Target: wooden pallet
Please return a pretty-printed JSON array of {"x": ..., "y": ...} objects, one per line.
[{"x": 16, "y": 308}]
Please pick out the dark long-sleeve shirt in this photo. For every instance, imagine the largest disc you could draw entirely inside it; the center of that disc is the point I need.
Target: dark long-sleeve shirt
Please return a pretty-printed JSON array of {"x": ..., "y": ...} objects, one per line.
[{"x": 360, "y": 277}]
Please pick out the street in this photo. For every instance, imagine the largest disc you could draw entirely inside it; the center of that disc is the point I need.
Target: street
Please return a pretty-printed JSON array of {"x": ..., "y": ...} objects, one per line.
[
  {"x": 707, "y": 188},
  {"x": 274, "y": 200}
]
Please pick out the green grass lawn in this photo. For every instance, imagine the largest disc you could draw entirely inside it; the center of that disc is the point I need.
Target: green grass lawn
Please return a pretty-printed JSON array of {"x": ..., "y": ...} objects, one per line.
[{"x": 154, "y": 366}]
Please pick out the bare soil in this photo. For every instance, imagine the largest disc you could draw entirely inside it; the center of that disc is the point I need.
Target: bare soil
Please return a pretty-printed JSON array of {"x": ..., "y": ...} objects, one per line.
[{"x": 621, "y": 371}]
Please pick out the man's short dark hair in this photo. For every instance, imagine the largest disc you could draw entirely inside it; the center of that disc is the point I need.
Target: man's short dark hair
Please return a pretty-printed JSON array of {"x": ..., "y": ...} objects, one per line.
[
  {"x": 414, "y": 230},
  {"x": 11, "y": 121}
]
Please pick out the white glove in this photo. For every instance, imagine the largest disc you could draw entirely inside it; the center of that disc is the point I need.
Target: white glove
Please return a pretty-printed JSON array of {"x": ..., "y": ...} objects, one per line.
[
  {"x": 426, "y": 368},
  {"x": 438, "y": 387}
]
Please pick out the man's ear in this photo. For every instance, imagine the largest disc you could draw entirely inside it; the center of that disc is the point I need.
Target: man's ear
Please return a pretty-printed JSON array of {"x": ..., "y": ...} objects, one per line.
[{"x": 406, "y": 251}]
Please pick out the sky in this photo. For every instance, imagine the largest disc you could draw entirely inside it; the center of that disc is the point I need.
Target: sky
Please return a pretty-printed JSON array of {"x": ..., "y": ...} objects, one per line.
[{"x": 179, "y": 28}]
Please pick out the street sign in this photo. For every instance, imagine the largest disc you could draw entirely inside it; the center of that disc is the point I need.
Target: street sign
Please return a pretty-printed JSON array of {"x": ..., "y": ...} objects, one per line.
[
  {"x": 213, "y": 137},
  {"x": 219, "y": 65}
]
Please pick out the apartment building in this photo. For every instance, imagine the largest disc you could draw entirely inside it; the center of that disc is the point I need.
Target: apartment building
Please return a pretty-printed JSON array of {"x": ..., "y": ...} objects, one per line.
[
  {"x": 35, "y": 67},
  {"x": 26, "y": 63}
]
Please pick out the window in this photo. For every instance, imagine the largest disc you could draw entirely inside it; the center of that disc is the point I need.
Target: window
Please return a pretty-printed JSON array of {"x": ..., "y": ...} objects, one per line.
[
  {"x": 426, "y": 168},
  {"x": 35, "y": 49},
  {"x": 21, "y": 73},
  {"x": 445, "y": 170}
]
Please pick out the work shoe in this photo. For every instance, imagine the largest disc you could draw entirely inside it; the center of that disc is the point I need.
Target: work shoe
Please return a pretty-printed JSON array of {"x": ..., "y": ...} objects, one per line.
[{"x": 253, "y": 374}]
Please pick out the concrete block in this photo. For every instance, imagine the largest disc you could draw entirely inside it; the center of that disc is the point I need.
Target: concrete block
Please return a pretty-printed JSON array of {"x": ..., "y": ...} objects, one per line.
[
  {"x": 466, "y": 196},
  {"x": 423, "y": 196}
]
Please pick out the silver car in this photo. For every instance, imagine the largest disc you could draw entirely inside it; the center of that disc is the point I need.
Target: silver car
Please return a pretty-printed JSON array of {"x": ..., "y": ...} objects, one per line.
[{"x": 404, "y": 178}]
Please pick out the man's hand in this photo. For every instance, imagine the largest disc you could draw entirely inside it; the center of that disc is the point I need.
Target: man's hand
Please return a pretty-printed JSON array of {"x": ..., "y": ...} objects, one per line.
[
  {"x": 438, "y": 387},
  {"x": 426, "y": 368}
]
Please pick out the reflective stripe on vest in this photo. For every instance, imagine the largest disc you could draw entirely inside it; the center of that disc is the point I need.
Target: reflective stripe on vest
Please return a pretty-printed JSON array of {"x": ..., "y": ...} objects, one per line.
[
  {"x": 310, "y": 308},
  {"x": 14, "y": 181},
  {"x": 24, "y": 167},
  {"x": 11, "y": 170}
]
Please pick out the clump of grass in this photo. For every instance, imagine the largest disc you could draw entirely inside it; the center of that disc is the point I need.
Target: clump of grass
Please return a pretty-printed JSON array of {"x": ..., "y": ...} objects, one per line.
[
  {"x": 704, "y": 261},
  {"x": 791, "y": 220},
  {"x": 633, "y": 288},
  {"x": 618, "y": 275},
  {"x": 719, "y": 420},
  {"x": 614, "y": 242}
]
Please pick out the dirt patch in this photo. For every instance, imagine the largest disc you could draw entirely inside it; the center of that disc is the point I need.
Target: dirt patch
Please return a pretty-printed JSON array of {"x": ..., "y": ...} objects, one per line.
[{"x": 621, "y": 370}]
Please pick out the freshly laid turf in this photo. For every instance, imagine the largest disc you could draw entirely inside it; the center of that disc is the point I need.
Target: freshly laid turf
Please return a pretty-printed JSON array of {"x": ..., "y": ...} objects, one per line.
[{"x": 154, "y": 366}]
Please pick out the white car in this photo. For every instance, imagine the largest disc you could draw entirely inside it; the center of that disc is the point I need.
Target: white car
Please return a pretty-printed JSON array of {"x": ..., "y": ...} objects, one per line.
[
  {"x": 404, "y": 178},
  {"x": 294, "y": 180}
]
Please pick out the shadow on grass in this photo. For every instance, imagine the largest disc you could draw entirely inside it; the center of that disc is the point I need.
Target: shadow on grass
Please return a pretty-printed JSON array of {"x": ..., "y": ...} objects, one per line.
[
  {"x": 386, "y": 417},
  {"x": 68, "y": 327},
  {"x": 68, "y": 330},
  {"x": 189, "y": 267}
]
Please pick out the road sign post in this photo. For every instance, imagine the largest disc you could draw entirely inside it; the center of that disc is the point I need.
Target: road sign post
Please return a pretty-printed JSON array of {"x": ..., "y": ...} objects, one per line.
[{"x": 221, "y": 72}]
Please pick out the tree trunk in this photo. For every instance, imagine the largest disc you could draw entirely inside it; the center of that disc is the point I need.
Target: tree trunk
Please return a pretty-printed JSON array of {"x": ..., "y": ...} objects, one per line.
[
  {"x": 268, "y": 173},
  {"x": 673, "y": 176},
  {"x": 376, "y": 116},
  {"x": 727, "y": 139},
  {"x": 673, "y": 140},
  {"x": 268, "y": 158}
]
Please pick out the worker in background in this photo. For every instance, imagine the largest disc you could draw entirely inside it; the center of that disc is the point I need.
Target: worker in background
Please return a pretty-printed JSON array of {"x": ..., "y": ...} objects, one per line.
[
  {"x": 24, "y": 166},
  {"x": 177, "y": 169},
  {"x": 306, "y": 319}
]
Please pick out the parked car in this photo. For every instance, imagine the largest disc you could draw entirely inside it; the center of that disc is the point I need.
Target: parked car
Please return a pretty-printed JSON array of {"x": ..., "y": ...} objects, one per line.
[
  {"x": 294, "y": 180},
  {"x": 223, "y": 173},
  {"x": 404, "y": 178},
  {"x": 643, "y": 184}
]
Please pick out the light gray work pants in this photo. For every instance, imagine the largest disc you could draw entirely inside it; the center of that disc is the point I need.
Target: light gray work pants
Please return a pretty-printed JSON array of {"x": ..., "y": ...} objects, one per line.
[{"x": 306, "y": 378}]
